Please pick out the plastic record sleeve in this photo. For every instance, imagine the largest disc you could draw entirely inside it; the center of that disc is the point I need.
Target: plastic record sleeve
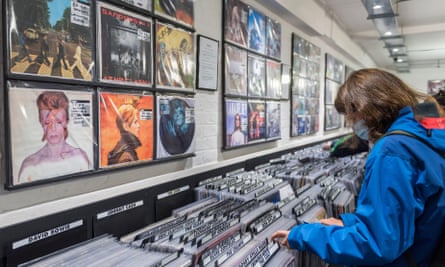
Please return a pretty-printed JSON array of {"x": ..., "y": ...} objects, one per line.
[
  {"x": 51, "y": 132},
  {"x": 175, "y": 125},
  {"x": 235, "y": 70},
  {"x": 257, "y": 120},
  {"x": 125, "y": 45},
  {"x": 235, "y": 22},
  {"x": 236, "y": 122},
  {"x": 180, "y": 11},
  {"x": 43, "y": 41}
]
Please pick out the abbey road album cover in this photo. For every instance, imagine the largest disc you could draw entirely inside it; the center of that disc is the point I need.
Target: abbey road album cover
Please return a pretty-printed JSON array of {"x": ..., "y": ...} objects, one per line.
[
  {"x": 48, "y": 128},
  {"x": 176, "y": 125},
  {"x": 125, "y": 45},
  {"x": 125, "y": 128},
  {"x": 51, "y": 38}
]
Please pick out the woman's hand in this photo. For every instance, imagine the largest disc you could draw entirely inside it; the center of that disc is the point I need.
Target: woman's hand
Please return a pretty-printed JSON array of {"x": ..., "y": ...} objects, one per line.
[
  {"x": 332, "y": 221},
  {"x": 282, "y": 238}
]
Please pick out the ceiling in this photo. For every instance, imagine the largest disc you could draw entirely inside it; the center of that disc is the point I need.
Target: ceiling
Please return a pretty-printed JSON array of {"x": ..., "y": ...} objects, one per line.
[{"x": 422, "y": 24}]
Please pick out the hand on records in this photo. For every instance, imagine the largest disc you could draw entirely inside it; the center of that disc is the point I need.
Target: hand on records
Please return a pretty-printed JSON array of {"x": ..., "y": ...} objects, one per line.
[
  {"x": 332, "y": 221},
  {"x": 281, "y": 237}
]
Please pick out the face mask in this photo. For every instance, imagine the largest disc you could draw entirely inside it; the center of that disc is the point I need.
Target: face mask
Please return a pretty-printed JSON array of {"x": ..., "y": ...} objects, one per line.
[{"x": 361, "y": 130}]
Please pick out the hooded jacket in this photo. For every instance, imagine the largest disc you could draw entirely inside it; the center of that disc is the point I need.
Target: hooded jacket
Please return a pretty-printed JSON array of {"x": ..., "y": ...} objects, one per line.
[{"x": 401, "y": 204}]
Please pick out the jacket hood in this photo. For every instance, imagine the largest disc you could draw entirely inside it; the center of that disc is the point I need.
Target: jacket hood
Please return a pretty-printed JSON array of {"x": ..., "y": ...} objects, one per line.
[{"x": 406, "y": 122}]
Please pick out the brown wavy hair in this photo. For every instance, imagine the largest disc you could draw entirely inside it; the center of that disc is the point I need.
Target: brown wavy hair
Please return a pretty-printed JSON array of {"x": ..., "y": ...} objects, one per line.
[{"x": 376, "y": 96}]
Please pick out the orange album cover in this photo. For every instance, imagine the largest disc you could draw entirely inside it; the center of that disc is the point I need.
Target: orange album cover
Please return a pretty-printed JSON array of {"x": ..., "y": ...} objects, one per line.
[{"x": 126, "y": 128}]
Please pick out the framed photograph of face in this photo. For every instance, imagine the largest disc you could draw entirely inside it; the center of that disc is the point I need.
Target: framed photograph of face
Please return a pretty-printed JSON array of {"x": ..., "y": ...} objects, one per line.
[
  {"x": 51, "y": 132},
  {"x": 236, "y": 118}
]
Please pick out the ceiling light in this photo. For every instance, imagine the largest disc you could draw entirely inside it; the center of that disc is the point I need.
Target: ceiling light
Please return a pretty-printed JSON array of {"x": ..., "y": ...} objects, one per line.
[
  {"x": 388, "y": 33},
  {"x": 377, "y": 7}
]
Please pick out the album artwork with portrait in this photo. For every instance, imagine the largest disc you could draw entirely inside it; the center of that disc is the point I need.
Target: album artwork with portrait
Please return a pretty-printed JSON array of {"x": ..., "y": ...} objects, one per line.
[
  {"x": 257, "y": 120},
  {"x": 51, "y": 131},
  {"x": 175, "y": 58},
  {"x": 180, "y": 11},
  {"x": 125, "y": 45},
  {"x": 235, "y": 70},
  {"x": 257, "y": 31},
  {"x": 235, "y": 22},
  {"x": 175, "y": 125},
  {"x": 236, "y": 122},
  {"x": 51, "y": 38},
  {"x": 125, "y": 128}
]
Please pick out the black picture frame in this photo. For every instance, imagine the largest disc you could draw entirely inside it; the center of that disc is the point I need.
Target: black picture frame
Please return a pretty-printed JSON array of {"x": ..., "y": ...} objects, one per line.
[{"x": 208, "y": 63}]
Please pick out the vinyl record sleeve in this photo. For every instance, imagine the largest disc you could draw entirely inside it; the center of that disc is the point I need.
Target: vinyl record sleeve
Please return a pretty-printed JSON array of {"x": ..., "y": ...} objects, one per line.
[
  {"x": 273, "y": 120},
  {"x": 181, "y": 11},
  {"x": 273, "y": 78},
  {"x": 125, "y": 128},
  {"x": 142, "y": 4},
  {"x": 257, "y": 120},
  {"x": 256, "y": 72},
  {"x": 273, "y": 38},
  {"x": 330, "y": 91},
  {"x": 51, "y": 38},
  {"x": 235, "y": 22},
  {"x": 257, "y": 31},
  {"x": 332, "y": 118},
  {"x": 125, "y": 45},
  {"x": 176, "y": 125},
  {"x": 235, "y": 71},
  {"x": 175, "y": 58},
  {"x": 49, "y": 143},
  {"x": 236, "y": 122},
  {"x": 334, "y": 69}
]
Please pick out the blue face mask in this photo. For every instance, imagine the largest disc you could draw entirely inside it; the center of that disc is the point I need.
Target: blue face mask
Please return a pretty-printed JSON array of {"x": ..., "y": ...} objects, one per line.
[{"x": 361, "y": 130}]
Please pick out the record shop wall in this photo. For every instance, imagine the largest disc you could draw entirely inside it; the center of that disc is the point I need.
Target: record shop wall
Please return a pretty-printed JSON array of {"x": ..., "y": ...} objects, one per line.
[{"x": 32, "y": 202}]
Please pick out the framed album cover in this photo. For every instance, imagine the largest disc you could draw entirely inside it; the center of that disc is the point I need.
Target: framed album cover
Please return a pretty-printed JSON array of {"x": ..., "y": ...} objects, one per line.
[
  {"x": 273, "y": 120},
  {"x": 273, "y": 78},
  {"x": 51, "y": 38},
  {"x": 126, "y": 128},
  {"x": 51, "y": 131},
  {"x": 257, "y": 120},
  {"x": 236, "y": 119},
  {"x": 332, "y": 118},
  {"x": 334, "y": 69},
  {"x": 175, "y": 58},
  {"x": 256, "y": 72},
  {"x": 125, "y": 45},
  {"x": 330, "y": 91},
  {"x": 257, "y": 31},
  {"x": 435, "y": 86},
  {"x": 235, "y": 22},
  {"x": 207, "y": 63},
  {"x": 175, "y": 125},
  {"x": 285, "y": 81},
  {"x": 235, "y": 70},
  {"x": 142, "y": 4},
  {"x": 180, "y": 11},
  {"x": 273, "y": 39}
]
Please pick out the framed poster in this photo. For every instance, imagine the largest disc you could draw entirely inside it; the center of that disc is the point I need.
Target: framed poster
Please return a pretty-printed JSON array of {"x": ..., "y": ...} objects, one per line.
[
  {"x": 125, "y": 45},
  {"x": 273, "y": 120},
  {"x": 236, "y": 119},
  {"x": 273, "y": 39},
  {"x": 257, "y": 31},
  {"x": 235, "y": 71},
  {"x": 256, "y": 72},
  {"x": 125, "y": 128},
  {"x": 175, "y": 58},
  {"x": 51, "y": 38},
  {"x": 180, "y": 11},
  {"x": 257, "y": 120},
  {"x": 235, "y": 22},
  {"x": 207, "y": 63},
  {"x": 51, "y": 131},
  {"x": 175, "y": 125}
]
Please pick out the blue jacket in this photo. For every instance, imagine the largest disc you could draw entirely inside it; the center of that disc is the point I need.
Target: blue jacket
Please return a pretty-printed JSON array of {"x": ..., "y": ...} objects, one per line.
[{"x": 401, "y": 204}]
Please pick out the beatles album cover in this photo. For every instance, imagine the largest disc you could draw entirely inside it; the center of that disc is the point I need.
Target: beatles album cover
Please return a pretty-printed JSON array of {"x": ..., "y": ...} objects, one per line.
[
  {"x": 273, "y": 120},
  {"x": 51, "y": 38},
  {"x": 235, "y": 22},
  {"x": 235, "y": 70},
  {"x": 51, "y": 132},
  {"x": 256, "y": 72},
  {"x": 125, "y": 128},
  {"x": 257, "y": 31},
  {"x": 142, "y": 4},
  {"x": 273, "y": 89},
  {"x": 332, "y": 118},
  {"x": 273, "y": 38},
  {"x": 175, "y": 58},
  {"x": 236, "y": 122},
  {"x": 124, "y": 43},
  {"x": 176, "y": 125},
  {"x": 257, "y": 120},
  {"x": 181, "y": 11}
]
